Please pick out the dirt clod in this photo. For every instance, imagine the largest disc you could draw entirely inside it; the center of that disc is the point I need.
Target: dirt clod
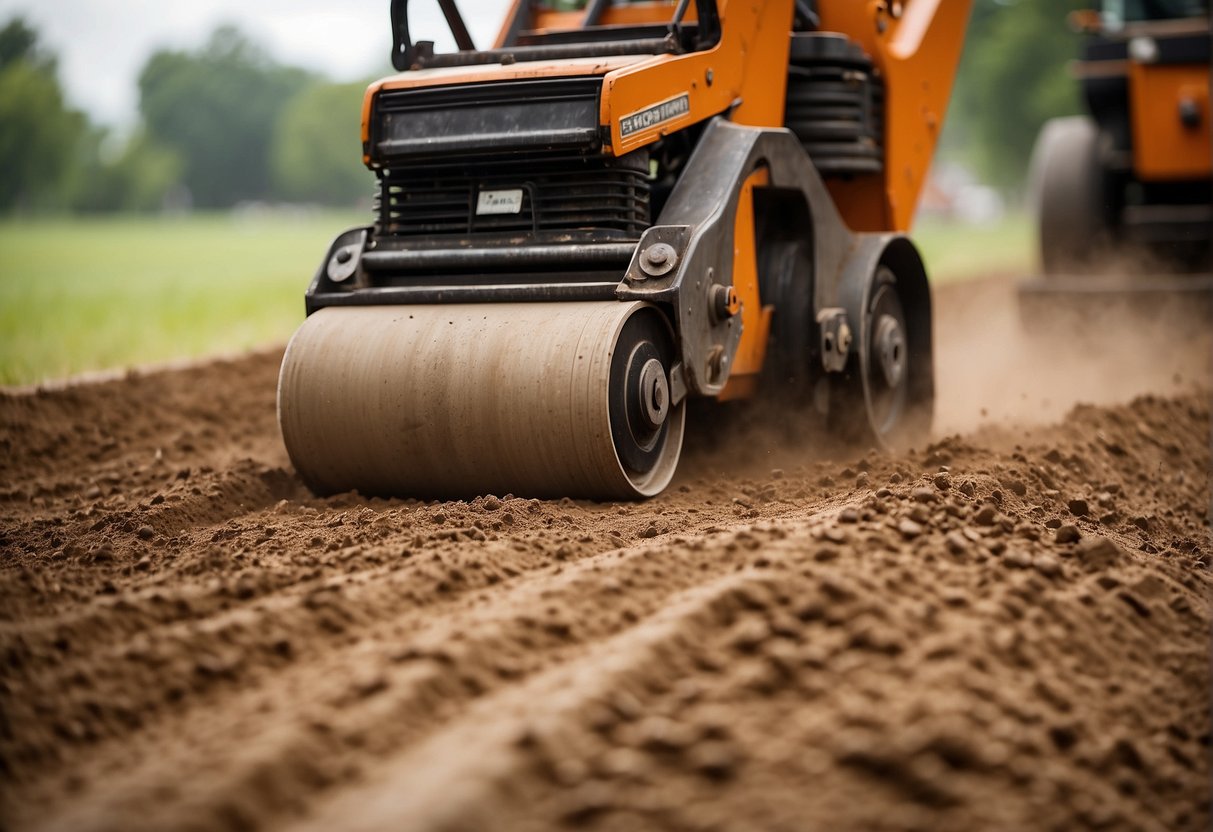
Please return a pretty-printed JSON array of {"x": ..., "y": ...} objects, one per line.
[
  {"x": 1067, "y": 533},
  {"x": 1098, "y": 553},
  {"x": 986, "y": 516}
]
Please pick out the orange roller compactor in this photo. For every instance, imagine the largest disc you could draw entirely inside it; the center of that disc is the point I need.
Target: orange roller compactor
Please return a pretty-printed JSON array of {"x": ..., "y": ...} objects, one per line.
[{"x": 613, "y": 209}]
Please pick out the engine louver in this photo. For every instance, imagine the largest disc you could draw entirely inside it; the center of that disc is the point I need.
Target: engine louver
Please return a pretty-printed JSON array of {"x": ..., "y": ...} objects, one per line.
[{"x": 606, "y": 196}]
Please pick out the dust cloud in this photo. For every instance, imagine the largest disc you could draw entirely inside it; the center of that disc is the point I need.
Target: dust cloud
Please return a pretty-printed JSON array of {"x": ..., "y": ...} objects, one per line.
[{"x": 996, "y": 364}]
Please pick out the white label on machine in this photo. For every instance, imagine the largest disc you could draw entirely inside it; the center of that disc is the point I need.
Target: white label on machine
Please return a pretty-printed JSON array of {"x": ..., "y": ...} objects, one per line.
[
  {"x": 659, "y": 113},
  {"x": 499, "y": 202}
]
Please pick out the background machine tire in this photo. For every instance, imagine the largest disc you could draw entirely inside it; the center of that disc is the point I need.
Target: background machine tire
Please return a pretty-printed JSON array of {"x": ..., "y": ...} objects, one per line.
[{"x": 1069, "y": 187}]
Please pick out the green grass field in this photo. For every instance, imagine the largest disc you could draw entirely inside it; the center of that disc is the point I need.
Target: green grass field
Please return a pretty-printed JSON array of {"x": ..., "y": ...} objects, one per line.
[
  {"x": 79, "y": 295},
  {"x": 89, "y": 294},
  {"x": 967, "y": 252}
]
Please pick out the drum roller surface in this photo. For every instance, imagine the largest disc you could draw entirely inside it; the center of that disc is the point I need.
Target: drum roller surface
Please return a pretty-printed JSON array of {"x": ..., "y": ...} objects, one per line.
[{"x": 538, "y": 399}]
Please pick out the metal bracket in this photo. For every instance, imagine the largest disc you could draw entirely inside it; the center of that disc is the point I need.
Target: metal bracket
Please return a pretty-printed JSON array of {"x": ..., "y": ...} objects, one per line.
[
  {"x": 343, "y": 260},
  {"x": 684, "y": 275},
  {"x": 678, "y": 385},
  {"x": 836, "y": 337},
  {"x": 665, "y": 241}
]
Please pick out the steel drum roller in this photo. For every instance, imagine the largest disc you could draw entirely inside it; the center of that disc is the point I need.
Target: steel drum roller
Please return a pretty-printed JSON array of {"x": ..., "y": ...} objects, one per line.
[{"x": 534, "y": 399}]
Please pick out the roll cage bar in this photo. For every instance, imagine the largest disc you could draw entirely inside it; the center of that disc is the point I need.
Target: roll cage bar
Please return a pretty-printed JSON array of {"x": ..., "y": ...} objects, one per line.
[{"x": 675, "y": 37}]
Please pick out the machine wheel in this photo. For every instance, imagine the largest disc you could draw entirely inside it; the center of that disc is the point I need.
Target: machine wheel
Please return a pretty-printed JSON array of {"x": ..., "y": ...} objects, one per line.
[
  {"x": 786, "y": 274},
  {"x": 1070, "y": 190},
  {"x": 886, "y": 397},
  {"x": 887, "y": 369},
  {"x": 534, "y": 399},
  {"x": 639, "y": 392}
]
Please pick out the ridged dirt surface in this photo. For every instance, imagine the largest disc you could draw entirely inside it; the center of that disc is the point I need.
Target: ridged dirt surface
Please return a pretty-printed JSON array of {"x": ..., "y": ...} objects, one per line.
[{"x": 1007, "y": 629}]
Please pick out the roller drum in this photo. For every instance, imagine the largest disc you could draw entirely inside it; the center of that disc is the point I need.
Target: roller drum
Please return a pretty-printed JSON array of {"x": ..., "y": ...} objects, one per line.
[{"x": 534, "y": 399}]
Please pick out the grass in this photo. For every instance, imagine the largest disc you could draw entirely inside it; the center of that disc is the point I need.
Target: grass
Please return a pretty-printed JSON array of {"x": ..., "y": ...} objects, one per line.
[
  {"x": 962, "y": 252},
  {"x": 79, "y": 295},
  {"x": 89, "y": 294}
]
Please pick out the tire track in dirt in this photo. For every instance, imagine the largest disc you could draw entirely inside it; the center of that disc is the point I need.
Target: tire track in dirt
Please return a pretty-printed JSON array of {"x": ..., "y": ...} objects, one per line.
[
  {"x": 419, "y": 672},
  {"x": 647, "y": 729},
  {"x": 190, "y": 632}
]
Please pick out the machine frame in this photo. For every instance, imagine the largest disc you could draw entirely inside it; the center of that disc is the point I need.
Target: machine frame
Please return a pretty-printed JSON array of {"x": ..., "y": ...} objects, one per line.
[{"x": 749, "y": 169}]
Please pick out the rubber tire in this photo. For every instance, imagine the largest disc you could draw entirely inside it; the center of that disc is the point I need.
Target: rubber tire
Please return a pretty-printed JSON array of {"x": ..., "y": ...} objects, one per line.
[
  {"x": 851, "y": 415},
  {"x": 894, "y": 403},
  {"x": 1070, "y": 193},
  {"x": 854, "y": 402},
  {"x": 788, "y": 373}
]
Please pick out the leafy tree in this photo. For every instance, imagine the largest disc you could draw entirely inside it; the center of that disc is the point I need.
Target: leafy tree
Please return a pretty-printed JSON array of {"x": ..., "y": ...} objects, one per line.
[
  {"x": 217, "y": 108},
  {"x": 19, "y": 42},
  {"x": 317, "y": 147},
  {"x": 138, "y": 177},
  {"x": 1013, "y": 78},
  {"x": 37, "y": 129},
  {"x": 143, "y": 175}
]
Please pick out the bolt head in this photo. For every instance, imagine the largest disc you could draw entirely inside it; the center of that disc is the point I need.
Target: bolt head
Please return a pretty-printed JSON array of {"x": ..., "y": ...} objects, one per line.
[
  {"x": 658, "y": 259},
  {"x": 723, "y": 302}
]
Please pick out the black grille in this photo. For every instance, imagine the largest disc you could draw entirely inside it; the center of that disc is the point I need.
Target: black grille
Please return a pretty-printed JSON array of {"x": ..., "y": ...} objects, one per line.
[
  {"x": 835, "y": 104},
  {"x": 604, "y": 196},
  {"x": 486, "y": 95},
  {"x": 475, "y": 119}
]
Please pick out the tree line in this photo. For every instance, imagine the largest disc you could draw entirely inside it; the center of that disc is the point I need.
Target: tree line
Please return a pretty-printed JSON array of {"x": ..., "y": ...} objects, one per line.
[
  {"x": 226, "y": 123},
  {"x": 219, "y": 125},
  {"x": 1013, "y": 79}
]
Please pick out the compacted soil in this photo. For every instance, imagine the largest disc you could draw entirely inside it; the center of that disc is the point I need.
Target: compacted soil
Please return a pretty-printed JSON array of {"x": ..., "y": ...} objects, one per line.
[{"x": 1006, "y": 629}]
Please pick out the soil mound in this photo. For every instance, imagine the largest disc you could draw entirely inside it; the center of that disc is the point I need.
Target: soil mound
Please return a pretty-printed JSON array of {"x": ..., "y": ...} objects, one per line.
[{"x": 1007, "y": 629}]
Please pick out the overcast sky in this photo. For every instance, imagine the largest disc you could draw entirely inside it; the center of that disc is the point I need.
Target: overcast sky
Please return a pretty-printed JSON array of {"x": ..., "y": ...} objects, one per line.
[{"x": 102, "y": 44}]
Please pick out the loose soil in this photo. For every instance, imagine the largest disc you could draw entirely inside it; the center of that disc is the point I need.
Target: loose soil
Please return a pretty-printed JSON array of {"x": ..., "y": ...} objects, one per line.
[{"x": 1006, "y": 629}]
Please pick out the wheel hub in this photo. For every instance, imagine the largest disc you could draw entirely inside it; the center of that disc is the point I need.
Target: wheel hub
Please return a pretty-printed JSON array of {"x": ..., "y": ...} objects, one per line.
[
  {"x": 654, "y": 393},
  {"x": 642, "y": 411},
  {"x": 891, "y": 348}
]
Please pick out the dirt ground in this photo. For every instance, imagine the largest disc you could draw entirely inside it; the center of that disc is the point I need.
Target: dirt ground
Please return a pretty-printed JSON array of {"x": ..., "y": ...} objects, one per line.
[{"x": 1008, "y": 629}]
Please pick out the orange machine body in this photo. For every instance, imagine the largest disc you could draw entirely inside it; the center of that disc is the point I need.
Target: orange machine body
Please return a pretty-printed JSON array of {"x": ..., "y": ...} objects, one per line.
[
  {"x": 914, "y": 46},
  {"x": 1170, "y": 107},
  {"x": 1168, "y": 92},
  {"x": 755, "y": 316}
]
